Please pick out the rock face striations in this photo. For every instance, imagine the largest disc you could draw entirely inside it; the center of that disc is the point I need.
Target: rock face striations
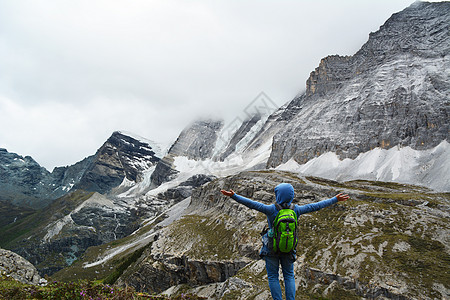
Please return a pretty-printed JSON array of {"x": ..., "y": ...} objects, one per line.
[
  {"x": 394, "y": 91},
  {"x": 198, "y": 140},
  {"x": 121, "y": 156}
]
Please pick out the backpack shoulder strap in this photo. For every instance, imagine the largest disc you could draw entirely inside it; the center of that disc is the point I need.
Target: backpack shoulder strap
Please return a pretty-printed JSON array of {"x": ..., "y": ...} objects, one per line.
[{"x": 278, "y": 206}]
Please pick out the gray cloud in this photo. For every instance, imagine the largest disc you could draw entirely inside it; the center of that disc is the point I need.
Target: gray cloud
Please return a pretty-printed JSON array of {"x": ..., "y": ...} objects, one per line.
[{"x": 74, "y": 71}]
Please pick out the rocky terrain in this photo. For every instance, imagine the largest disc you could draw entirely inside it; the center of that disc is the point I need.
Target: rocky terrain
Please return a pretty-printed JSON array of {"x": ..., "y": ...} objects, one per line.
[
  {"x": 15, "y": 266},
  {"x": 390, "y": 240},
  {"x": 24, "y": 182}
]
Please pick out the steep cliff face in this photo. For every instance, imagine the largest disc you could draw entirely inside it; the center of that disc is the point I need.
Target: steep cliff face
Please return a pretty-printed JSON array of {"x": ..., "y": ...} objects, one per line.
[
  {"x": 24, "y": 182},
  {"x": 198, "y": 140},
  {"x": 243, "y": 130},
  {"x": 394, "y": 91}
]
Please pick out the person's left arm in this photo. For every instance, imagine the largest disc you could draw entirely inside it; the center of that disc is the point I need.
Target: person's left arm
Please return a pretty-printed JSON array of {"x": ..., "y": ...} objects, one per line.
[{"x": 303, "y": 209}]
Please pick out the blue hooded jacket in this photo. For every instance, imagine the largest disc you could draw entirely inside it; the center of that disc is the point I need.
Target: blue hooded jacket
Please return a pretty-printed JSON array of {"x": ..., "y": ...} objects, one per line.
[{"x": 284, "y": 194}]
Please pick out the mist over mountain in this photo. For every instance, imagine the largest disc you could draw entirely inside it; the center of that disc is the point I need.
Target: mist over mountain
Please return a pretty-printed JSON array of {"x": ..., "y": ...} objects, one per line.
[{"x": 374, "y": 124}]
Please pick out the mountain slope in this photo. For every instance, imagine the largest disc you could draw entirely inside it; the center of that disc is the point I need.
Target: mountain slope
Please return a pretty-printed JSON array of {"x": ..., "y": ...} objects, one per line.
[{"x": 347, "y": 248}]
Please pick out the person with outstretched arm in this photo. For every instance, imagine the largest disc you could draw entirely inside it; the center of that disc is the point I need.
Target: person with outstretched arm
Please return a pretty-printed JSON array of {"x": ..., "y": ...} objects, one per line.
[{"x": 284, "y": 194}]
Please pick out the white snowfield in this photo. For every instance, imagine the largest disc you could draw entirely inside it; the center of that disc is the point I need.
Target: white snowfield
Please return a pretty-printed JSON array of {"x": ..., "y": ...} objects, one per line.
[{"x": 428, "y": 168}]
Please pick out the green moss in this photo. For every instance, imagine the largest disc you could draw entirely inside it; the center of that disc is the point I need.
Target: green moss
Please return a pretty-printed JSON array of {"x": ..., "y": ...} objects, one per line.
[
  {"x": 211, "y": 237},
  {"x": 424, "y": 263},
  {"x": 257, "y": 280},
  {"x": 318, "y": 229},
  {"x": 405, "y": 196},
  {"x": 12, "y": 234},
  {"x": 11, "y": 289}
]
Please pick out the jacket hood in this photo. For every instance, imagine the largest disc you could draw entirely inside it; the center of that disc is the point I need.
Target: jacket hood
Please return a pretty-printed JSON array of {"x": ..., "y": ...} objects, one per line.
[{"x": 284, "y": 193}]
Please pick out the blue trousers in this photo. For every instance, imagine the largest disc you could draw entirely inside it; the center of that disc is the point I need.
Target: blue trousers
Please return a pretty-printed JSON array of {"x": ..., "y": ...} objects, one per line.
[{"x": 272, "y": 267}]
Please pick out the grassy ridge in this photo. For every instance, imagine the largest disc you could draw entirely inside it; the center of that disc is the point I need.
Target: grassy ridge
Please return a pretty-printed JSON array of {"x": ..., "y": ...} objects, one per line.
[{"x": 36, "y": 220}]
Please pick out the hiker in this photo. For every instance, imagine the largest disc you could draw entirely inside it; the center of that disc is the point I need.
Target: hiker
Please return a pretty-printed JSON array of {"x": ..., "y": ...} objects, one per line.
[{"x": 284, "y": 194}]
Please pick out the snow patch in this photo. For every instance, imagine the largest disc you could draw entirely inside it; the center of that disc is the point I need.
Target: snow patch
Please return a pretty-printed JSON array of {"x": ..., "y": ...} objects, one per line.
[
  {"x": 430, "y": 168},
  {"x": 155, "y": 147}
]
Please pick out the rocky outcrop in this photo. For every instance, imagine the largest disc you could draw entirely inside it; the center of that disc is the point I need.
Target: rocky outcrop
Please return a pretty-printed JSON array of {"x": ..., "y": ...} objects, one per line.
[
  {"x": 164, "y": 171},
  {"x": 23, "y": 181},
  {"x": 156, "y": 275},
  {"x": 15, "y": 266},
  {"x": 391, "y": 92}
]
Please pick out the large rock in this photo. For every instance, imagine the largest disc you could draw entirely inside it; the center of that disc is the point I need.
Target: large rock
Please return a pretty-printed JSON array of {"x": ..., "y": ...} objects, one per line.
[{"x": 17, "y": 267}]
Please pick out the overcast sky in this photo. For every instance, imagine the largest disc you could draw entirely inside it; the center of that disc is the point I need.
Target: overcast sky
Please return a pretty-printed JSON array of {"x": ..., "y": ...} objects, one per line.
[{"x": 72, "y": 72}]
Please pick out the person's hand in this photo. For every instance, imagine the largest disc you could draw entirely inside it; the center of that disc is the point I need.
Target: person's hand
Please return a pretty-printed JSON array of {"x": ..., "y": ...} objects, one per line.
[
  {"x": 227, "y": 193},
  {"x": 342, "y": 197}
]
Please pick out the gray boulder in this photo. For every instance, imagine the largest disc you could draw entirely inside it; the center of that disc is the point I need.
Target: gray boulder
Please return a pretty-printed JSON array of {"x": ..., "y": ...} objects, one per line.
[{"x": 17, "y": 267}]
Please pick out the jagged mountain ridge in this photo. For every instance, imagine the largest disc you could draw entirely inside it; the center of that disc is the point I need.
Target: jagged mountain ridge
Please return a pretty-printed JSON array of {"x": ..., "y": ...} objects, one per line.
[
  {"x": 368, "y": 104},
  {"x": 25, "y": 182},
  {"x": 120, "y": 157}
]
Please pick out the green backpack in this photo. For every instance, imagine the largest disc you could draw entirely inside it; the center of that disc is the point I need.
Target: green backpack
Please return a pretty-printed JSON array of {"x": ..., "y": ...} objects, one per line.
[{"x": 285, "y": 230}]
